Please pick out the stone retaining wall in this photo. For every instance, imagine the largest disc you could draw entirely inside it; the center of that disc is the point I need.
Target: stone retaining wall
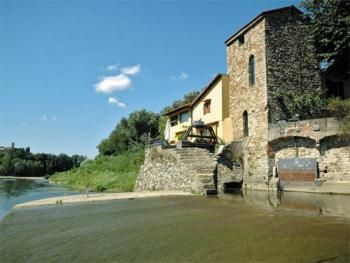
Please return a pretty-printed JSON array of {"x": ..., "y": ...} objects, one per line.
[{"x": 188, "y": 169}]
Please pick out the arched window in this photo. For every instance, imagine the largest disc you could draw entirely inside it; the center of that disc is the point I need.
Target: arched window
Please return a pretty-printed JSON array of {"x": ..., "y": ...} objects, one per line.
[
  {"x": 245, "y": 124},
  {"x": 251, "y": 70}
]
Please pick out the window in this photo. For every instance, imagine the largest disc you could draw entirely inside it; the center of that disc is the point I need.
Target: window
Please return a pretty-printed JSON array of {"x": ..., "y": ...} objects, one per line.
[
  {"x": 206, "y": 107},
  {"x": 245, "y": 124},
  {"x": 241, "y": 40},
  {"x": 184, "y": 116},
  {"x": 173, "y": 121},
  {"x": 251, "y": 70}
]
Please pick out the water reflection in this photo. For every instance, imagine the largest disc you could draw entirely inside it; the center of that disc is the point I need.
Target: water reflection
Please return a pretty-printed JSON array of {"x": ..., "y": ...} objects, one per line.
[
  {"x": 14, "y": 187},
  {"x": 14, "y": 191},
  {"x": 316, "y": 204}
]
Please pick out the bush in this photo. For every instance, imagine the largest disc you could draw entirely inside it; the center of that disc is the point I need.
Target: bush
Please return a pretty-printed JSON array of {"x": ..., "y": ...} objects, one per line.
[
  {"x": 341, "y": 109},
  {"x": 105, "y": 173}
]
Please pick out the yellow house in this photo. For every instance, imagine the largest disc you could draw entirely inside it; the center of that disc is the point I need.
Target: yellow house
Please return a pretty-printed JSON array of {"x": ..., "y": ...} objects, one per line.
[
  {"x": 180, "y": 119},
  {"x": 211, "y": 106}
]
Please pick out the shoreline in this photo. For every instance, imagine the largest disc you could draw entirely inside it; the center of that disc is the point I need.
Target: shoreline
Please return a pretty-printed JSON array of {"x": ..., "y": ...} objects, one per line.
[
  {"x": 24, "y": 178},
  {"x": 97, "y": 197}
]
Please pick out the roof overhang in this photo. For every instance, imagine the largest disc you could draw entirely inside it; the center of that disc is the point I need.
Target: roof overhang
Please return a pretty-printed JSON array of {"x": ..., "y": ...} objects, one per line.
[{"x": 178, "y": 109}]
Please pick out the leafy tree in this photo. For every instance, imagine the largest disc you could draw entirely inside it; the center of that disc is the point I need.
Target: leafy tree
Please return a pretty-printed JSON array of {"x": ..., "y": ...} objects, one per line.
[
  {"x": 341, "y": 109},
  {"x": 77, "y": 160},
  {"x": 130, "y": 133},
  {"x": 6, "y": 165},
  {"x": 329, "y": 23},
  {"x": 161, "y": 127},
  {"x": 187, "y": 98},
  {"x": 21, "y": 162}
]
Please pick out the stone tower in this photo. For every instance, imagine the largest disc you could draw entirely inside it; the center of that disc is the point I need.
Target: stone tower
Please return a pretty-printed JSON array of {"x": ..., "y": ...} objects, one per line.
[{"x": 266, "y": 57}]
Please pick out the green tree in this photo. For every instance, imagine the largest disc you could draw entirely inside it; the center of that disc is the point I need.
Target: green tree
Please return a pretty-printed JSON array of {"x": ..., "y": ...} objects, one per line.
[
  {"x": 329, "y": 24},
  {"x": 6, "y": 165},
  {"x": 130, "y": 133}
]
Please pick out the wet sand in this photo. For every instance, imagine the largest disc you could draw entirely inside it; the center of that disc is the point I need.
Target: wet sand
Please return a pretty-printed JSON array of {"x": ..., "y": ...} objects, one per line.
[
  {"x": 171, "y": 229},
  {"x": 83, "y": 198}
]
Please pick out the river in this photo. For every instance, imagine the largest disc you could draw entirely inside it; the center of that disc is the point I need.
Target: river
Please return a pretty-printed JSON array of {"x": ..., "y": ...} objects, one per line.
[
  {"x": 17, "y": 190},
  {"x": 249, "y": 226}
]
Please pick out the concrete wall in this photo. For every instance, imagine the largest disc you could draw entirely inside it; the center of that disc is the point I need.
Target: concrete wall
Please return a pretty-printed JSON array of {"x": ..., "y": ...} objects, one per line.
[{"x": 252, "y": 99}]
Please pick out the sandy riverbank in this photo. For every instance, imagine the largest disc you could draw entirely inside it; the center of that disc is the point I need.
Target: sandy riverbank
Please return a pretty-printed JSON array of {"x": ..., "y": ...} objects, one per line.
[
  {"x": 98, "y": 197},
  {"x": 24, "y": 178}
]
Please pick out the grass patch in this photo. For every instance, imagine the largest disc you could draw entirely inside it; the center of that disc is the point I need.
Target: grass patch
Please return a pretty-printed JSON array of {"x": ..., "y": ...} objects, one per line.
[{"x": 105, "y": 173}]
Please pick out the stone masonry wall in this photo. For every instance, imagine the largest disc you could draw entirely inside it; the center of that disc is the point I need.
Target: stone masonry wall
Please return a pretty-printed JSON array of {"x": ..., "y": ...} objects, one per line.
[
  {"x": 188, "y": 169},
  {"x": 334, "y": 165},
  {"x": 252, "y": 99},
  {"x": 290, "y": 61}
]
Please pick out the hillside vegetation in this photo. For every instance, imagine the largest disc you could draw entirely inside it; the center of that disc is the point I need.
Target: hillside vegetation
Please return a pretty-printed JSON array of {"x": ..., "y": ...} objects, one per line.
[{"x": 111, "y": 173}]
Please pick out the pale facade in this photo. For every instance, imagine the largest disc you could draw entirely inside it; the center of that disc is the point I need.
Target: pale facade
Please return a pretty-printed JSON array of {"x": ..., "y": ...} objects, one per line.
[
  {"x": 180, "y": 119},
  {"x": 211, "y": 106}
]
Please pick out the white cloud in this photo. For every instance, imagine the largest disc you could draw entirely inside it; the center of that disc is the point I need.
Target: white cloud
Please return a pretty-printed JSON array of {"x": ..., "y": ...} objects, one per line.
[
  {"x": 113, "y": 83},
  {"x": 133, "y": 70},
  {"x": 182, "y": 76},
  {"x": 113, "y": 67},
  {"x": 53, "y": 118},
  {"x": 23, "y": 124},
  {"x": 43, "y": 118},
  {"x": 114, "y": 100}
]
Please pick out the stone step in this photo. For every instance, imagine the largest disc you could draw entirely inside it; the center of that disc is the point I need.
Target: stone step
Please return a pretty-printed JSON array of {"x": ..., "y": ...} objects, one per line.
[
  {"x": 206, "y": 169},
  {"x": 211, "y": 192},
  {"x": 197, "y": 162},
  {"x": 193, "y": 152},
  {"x": 209, "y": 186},
  {"x": 196, "y": 158},
  {"x": 207, "y": 180}
]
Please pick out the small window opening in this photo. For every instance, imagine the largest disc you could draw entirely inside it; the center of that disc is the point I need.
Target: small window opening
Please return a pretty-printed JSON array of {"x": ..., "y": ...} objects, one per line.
[
  {"x": 206, "y": 106},
  {"x": 173, "y": 120},
  {"x": 184, "y": 116},
  {"x": 241, "y": 40},
  {"x": 245, "y": 124},
  {"x": 251, "y": 70}
]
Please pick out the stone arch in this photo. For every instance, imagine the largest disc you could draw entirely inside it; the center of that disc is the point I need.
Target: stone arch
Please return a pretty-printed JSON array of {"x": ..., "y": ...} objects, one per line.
[
  {"x": 331, "y": 142},
  {"x": 289, "y": 147},
  {"x": 290, "y": 142}
]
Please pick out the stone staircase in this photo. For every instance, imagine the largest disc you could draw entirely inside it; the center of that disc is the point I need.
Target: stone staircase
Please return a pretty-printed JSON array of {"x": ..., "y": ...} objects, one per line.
[{"x": 201, "y": 164}]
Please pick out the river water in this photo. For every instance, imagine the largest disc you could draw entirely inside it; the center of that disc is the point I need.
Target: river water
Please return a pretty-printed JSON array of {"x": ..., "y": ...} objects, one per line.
[
  {"x": 249, "y": 226},
  {"x": 15, "y": 191}
]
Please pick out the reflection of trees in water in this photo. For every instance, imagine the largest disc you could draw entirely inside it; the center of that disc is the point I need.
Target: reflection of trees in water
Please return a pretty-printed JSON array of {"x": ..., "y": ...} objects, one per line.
[{"x": 17, "y": 187}]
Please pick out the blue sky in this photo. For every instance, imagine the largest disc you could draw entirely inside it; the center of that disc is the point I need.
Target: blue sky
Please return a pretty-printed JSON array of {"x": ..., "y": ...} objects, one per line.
[{"x": 69, "y": 70}]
